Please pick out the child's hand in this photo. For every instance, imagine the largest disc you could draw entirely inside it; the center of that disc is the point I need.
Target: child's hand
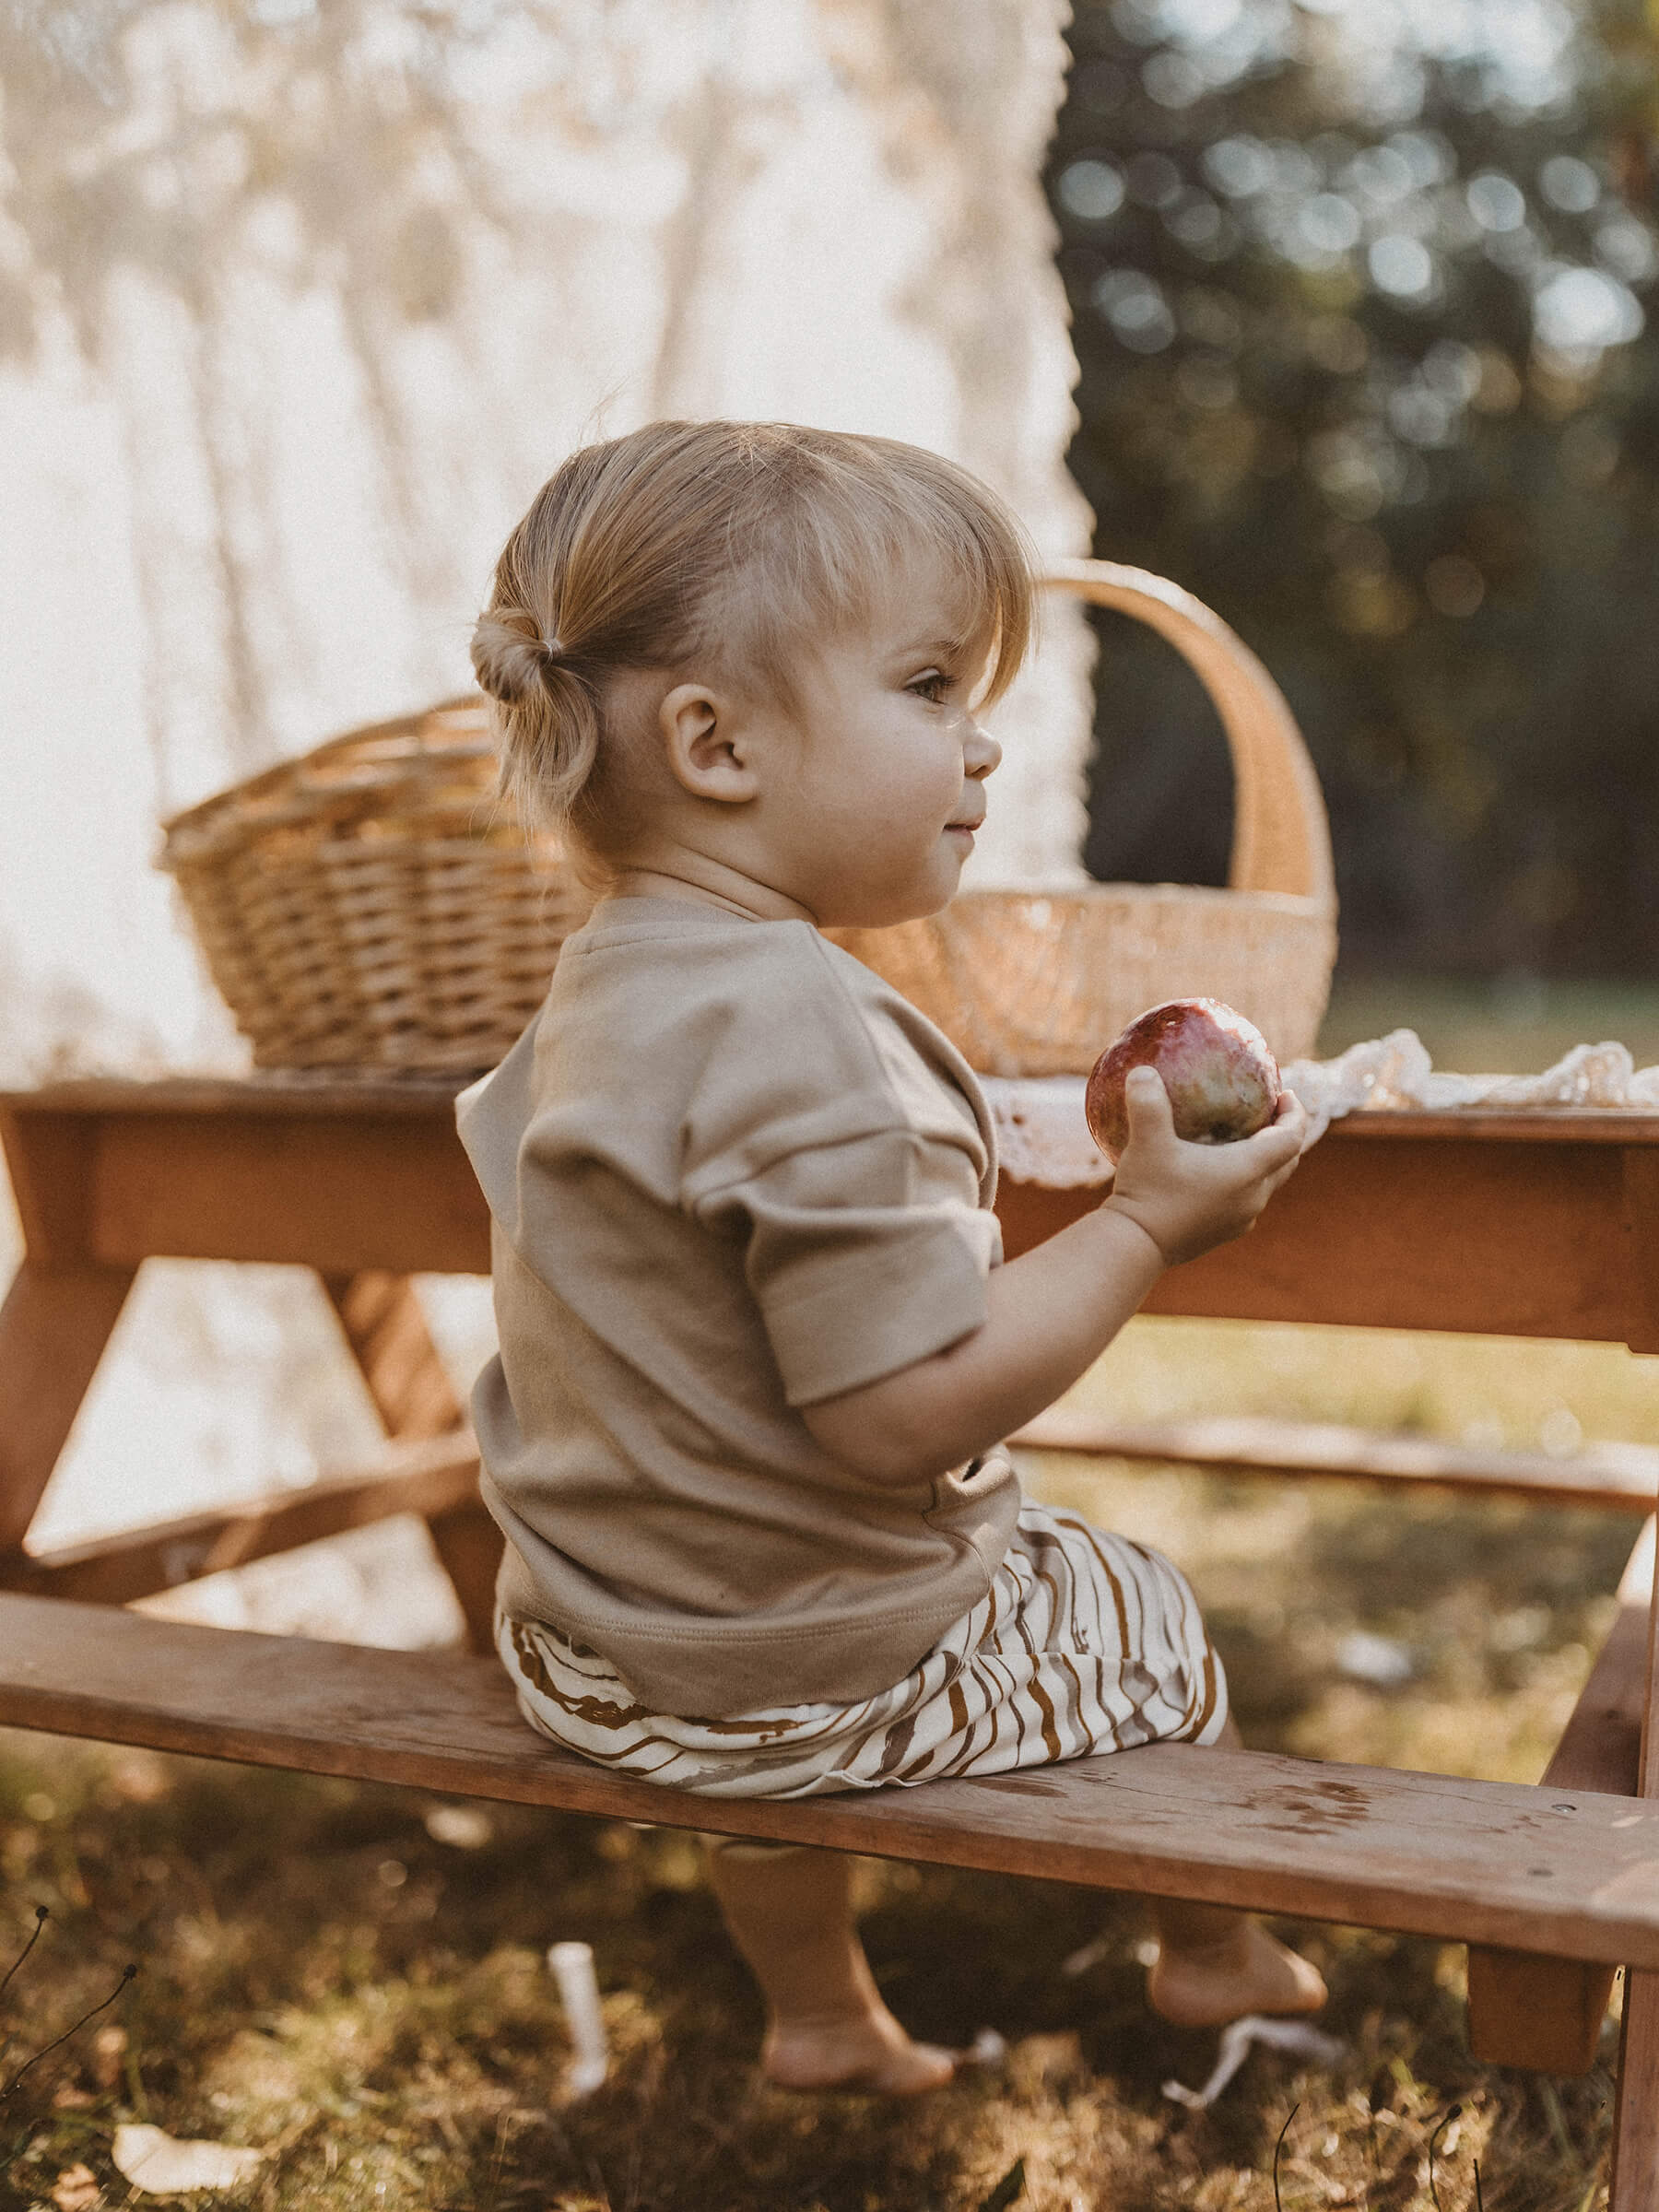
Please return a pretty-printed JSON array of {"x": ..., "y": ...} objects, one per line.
[{"x": 1190, "y": 1198}]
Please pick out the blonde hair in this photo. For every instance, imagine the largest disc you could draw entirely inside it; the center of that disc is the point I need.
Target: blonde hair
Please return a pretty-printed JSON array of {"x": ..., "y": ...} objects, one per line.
[{"x": 739, "y": 541}]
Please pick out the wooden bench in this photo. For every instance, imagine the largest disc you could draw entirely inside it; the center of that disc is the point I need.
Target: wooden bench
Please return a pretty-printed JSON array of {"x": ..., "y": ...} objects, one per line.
[
  {"x": 1542, "y": 1225},
  {"x": 1569, "y": 1872}
]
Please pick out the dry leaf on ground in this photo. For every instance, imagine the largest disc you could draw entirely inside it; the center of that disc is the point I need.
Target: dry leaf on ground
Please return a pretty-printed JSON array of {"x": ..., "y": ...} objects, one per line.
[
  {"x": 77, "y": 2189},
  {"x": 108, "y": 2054},
  {"x": 153, "y": 2160}
]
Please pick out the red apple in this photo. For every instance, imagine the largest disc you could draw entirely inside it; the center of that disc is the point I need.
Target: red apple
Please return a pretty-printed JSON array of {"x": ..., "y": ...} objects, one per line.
[{"x": 1222, "y": 1080}]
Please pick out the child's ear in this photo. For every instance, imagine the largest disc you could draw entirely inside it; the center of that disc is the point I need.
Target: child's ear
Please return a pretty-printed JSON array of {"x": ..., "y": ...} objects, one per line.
[{"x": 707, "y": 752}]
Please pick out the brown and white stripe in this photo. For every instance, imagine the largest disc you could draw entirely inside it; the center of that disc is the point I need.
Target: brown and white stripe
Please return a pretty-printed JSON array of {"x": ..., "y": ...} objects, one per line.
[{"x": 1084, "y": 1642}]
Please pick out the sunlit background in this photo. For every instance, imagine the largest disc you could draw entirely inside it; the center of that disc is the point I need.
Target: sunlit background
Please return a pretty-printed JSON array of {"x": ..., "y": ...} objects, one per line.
[
  {"x": 299, "y": 304},
  {"x": 1338, "y": 313}
]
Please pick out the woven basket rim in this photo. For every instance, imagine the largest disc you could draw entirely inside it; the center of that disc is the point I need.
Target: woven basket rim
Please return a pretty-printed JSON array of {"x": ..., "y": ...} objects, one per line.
[
  {"x": 374, "y": 904},
  {"x": 409, "y": 765}
]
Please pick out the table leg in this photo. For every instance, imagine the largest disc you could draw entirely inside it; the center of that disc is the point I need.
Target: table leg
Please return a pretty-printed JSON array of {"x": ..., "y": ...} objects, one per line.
[
  {"x": 54, "y": 1327},
  {"x": 1546, "y": 2013},
  {"x": 1541, "y": 2013},
  {"x": 1635, "y": 2180},
  {"x": 389, "y": 1340},
  {"x": 469, "y": 1544},
  {"x": 411, "y": 1386}
]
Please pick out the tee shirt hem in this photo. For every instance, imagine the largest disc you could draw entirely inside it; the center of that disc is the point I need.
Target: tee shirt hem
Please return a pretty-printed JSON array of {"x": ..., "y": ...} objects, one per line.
[{"x": 824, "y": 1661}]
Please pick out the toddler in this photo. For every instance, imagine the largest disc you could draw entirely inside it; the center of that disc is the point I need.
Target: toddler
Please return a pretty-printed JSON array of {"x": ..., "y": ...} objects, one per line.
[{"x": 759, "y": 1349}]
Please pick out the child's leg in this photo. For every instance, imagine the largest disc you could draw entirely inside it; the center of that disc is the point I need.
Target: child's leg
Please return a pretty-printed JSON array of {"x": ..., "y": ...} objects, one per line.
[
  {"x": 790, "y": 1913},
  {"x": 1215, "y": 1965}
]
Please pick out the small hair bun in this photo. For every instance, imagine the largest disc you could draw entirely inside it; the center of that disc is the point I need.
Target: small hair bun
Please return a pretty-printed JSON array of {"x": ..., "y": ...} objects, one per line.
[{"x": 511, "y": 655}]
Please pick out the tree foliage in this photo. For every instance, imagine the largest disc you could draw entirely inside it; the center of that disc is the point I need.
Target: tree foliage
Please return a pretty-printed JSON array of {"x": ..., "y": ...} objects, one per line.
[{"x": 1359, "y": 298}]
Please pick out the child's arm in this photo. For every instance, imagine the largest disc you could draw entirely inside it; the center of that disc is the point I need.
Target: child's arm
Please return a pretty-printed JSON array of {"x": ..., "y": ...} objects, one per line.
[{"x": 1056, "y": 1308}]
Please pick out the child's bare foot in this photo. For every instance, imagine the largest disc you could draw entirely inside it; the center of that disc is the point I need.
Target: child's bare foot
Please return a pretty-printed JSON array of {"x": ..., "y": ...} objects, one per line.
[
  {"x": 868, "y": 2053},
  {"x": 791, "y": 1912},
  {"x": 1207, "y": 1984}
]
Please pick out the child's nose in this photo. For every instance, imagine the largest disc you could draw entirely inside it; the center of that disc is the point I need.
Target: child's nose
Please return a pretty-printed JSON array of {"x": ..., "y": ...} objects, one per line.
[{"x": 981, "y": 753}]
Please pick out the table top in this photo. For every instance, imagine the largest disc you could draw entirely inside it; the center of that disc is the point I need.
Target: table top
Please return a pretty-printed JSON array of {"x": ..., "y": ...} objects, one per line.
[
  {"x": 1543, "y": 1222},
  {"x": 331, "y": 1095}
]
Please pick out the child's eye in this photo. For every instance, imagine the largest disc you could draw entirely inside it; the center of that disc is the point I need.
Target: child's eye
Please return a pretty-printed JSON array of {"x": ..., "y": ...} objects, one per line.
[{"x": 932, "y": 686}]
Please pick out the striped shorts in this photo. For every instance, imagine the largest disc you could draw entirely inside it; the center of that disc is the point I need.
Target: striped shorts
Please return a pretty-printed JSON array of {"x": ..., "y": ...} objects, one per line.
[{"x": 1084, "y": 1642}]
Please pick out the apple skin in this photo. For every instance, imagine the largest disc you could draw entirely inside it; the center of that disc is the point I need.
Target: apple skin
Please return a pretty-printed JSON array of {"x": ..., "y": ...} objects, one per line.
[{"x": 1222, "y": 1080}]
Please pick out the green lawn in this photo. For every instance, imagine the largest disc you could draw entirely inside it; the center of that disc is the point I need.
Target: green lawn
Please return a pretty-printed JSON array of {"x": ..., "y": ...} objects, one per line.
[{"x": 1514, "y": 1025}]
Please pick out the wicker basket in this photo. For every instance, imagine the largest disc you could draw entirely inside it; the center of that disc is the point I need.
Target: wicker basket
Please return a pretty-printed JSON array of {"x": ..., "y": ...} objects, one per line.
[
  {"x": 373, "y": 905},
  {"x": 1038, "y": 983}
]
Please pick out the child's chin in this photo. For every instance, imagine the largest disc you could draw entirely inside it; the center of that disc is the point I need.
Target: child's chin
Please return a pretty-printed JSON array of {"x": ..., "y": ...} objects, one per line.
[
  {"x": 888, "y": 913},
  {"x": 925, "y": 889}
]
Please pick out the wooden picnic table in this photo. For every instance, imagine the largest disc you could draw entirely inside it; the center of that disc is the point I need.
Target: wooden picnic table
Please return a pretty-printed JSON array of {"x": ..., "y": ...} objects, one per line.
[{"x": 1540, "y": 1224}]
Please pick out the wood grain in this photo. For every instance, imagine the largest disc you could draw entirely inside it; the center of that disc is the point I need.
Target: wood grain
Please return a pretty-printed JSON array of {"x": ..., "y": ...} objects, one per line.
[
  {"x": 54, "y": 1327},
  {"x": 300, "y": 1093},
  {"x": 49, "y": 1157},
  {"x": 1504, "y": 1238},
  {"x": 1543, "y": 2015},
  {"x": 1503, "y": 1224},
  {"x": 1623, "y": 1476},
  {"x": 59, "y": 1312},
  {"x": 1641, "y": 1241},
  {"x": 469, "y": 1544},
  {"x": 1635, "y": 2177},
  {"x": 1546, "y": 2013},
  {"x": 295, "y": 1094},
  {"x": 1574, "y": 1875},
  {"x": 385, "y": 1331},
  {"x": 407, "y": 1380},
  {"x": 430, "y": 1480},
  {"x": 342, "y": 1193}
]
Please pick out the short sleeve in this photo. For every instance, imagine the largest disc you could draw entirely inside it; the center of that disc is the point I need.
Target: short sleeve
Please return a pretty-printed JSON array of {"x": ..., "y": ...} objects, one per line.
[{"x": 863, "y": 1256}]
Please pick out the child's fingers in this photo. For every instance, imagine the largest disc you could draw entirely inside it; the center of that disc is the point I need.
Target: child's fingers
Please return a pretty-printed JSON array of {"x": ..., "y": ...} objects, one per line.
[
  {"x": 1292, "y": 1114},
  {"x": 1282, "y": 1175},
  {"x": 1146, "y": 1103},
  {"x": 1278, "y": 1146},
  {"x": 1289, "y": 1113}
]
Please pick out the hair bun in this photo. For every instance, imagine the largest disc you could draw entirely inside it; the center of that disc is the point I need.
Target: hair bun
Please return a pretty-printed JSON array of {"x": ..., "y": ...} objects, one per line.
[{"x": 510, "y": 656}]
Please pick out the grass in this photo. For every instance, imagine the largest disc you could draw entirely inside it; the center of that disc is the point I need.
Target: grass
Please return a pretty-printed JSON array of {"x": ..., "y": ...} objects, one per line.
[{"x": 327, "y": 1972}]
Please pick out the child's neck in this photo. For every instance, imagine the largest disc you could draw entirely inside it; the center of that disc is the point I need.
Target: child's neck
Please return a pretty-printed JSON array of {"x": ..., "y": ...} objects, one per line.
[{"x": 695, "y": 879}]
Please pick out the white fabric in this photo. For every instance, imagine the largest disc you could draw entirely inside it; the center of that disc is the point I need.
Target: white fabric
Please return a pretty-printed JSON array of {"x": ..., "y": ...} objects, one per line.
[
  {"x": 1041, "y": 1136},
  {"x": 1295, "y": 2036}
]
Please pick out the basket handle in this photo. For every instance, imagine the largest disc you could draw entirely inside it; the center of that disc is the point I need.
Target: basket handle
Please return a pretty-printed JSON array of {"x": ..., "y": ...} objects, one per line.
[{"x": 1281, "y": 836}]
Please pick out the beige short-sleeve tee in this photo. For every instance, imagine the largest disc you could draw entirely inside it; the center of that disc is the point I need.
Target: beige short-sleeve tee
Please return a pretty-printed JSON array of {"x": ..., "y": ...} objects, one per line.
[{"x": 730, "y": 1173}]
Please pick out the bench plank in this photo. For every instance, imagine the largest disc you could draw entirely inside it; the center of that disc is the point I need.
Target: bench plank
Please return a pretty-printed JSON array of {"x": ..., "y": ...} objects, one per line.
[{"x": 1570, "y": 1873}]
